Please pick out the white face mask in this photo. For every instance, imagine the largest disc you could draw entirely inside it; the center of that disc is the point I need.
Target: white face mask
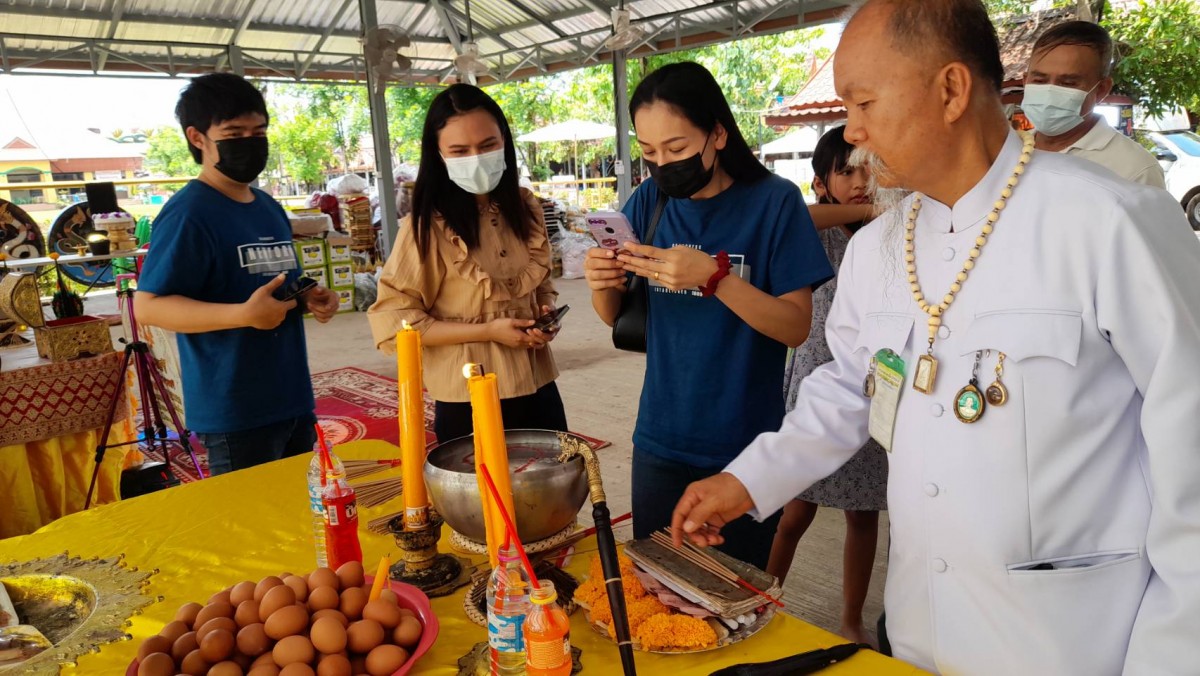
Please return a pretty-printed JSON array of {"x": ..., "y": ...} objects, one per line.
[
  {"x": 477, "y": 174},
  {"x": 1052, "y": 109}
]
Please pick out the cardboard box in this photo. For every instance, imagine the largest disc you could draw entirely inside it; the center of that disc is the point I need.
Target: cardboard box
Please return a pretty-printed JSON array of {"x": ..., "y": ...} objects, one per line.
[
  {"x": 339, "y": 252},
  {"x": 341, "y": 276},
  {"x": 345, "y": 300},
  {"x": 312, "y": 253},
  {"x": 319, "y": 274}
]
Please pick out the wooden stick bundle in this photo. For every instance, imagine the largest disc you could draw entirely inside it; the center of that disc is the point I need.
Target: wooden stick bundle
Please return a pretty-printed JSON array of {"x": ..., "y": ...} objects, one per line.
[
  {"x": 704, "y": 560},
  {"x": 379, "y": 526},
  {"x": 375, "y": 493},
  {"x": 357, "y": 469}
]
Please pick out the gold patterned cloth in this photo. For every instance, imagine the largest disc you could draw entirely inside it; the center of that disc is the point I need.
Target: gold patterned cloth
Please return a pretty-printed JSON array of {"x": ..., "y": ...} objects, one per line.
[
  {"x": 52, "y": 400},
  {"x": 207, "y": 535}
]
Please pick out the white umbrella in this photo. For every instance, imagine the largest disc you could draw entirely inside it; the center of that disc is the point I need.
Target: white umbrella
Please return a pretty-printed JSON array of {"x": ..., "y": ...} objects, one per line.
[{"x": 571, "y": 130}]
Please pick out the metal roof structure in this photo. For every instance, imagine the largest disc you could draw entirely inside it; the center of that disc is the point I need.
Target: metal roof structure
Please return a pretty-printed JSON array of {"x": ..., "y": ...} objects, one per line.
[{"x": 319, "y": 39}]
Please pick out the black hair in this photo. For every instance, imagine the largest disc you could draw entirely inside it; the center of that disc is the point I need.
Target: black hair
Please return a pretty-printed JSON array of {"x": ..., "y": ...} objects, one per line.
[
  {"x": 213, "y": 99},
  {"x": 1082, "y": 34},
  {"x": 830, "y": 156},
  {"x": 691, "y": 90},
  {"x": 961, "y": 28},
  {"x": 436, "y": 195}
]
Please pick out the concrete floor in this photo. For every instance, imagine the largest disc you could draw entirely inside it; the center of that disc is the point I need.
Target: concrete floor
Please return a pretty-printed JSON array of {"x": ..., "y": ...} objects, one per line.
[{"x": 600, "y": 387}]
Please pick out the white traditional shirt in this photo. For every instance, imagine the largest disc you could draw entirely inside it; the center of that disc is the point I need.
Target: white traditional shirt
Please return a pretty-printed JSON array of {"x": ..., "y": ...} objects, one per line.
[
  {"x": 1091, "y": 287},
  {"x": 1119, "y": 154}
]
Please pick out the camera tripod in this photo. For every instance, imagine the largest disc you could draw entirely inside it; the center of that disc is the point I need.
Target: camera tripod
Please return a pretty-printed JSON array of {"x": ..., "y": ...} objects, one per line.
[{"x": 152, "y": 390}]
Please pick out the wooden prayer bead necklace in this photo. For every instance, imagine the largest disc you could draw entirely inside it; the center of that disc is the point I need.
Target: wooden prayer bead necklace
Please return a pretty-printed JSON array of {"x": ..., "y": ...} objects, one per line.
[{"x": 927, "y": 364}]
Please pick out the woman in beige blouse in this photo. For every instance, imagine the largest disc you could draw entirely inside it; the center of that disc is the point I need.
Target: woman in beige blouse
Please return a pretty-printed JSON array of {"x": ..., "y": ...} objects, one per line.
[{"x": 471, "y": 270}]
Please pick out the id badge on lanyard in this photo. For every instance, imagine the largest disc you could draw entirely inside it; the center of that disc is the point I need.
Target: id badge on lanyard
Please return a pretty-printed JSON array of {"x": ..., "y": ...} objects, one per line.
[{"x": 885, "y": 379}]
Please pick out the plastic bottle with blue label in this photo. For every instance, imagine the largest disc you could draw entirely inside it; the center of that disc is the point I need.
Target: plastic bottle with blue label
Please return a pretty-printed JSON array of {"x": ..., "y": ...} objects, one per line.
[
  {"x": 316, "y": 485},
  {"x": 508, "y": 603}
]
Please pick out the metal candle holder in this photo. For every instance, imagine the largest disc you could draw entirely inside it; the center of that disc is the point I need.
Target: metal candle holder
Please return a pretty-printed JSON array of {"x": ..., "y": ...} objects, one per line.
[{"x": 421, "y": 564}]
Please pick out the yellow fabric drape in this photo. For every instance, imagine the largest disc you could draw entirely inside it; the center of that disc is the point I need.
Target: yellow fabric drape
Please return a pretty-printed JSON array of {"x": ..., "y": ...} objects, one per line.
[
  {"x": 41, "y": 481},
  {"x": 207, "y": 535}
]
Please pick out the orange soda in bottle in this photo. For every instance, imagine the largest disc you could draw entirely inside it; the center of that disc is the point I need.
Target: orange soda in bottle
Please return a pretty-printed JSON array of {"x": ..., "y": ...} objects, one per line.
[{"x": 547, "y": 633}]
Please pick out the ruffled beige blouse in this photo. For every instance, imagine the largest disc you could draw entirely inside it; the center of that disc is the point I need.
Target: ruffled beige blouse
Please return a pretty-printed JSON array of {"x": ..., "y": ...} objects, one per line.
[{"x": 503, "y": 277}]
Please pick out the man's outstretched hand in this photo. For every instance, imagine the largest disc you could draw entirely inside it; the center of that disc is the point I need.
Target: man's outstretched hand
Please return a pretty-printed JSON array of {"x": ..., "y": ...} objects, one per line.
[{"x": 708, "y": 505}]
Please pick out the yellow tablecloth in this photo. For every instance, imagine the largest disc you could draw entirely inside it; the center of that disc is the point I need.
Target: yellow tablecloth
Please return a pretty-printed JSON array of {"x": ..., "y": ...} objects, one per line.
[{"x": 208, "y": 535}]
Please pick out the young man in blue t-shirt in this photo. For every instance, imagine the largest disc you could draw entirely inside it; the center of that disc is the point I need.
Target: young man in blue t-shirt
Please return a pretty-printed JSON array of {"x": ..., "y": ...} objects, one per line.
[{"x": 220, "y": 252}]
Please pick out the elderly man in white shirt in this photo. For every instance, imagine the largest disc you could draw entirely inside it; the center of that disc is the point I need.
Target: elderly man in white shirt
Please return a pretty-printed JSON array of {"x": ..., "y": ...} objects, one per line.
[
  {"x": 1069, "y": 71},
  {"x": 1044, "y": 487}
]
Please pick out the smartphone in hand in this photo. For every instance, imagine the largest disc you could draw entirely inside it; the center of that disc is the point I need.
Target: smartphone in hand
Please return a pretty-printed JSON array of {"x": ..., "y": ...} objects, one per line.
[
  {"x": 611, "y": 230},
  {"x": 551, "y": 321},
  {"x": 294, "y": 290}
]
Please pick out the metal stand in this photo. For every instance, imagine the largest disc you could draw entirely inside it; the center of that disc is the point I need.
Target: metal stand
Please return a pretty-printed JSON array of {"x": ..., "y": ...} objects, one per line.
[
  {"x": 421, "y": 565},
  {"x": 150, "y": 387}
]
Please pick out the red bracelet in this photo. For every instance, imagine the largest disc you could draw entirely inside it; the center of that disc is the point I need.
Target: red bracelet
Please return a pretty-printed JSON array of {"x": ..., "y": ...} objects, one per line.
[{"x": 723, "y": 268}]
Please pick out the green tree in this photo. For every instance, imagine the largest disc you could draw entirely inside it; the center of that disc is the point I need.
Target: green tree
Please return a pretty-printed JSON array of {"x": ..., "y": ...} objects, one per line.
[
  {"x": 304, "y": 147},
  {"x": 167, "y": 153},
  {"x": 342, "y": 110},
  {"x": 1159, "y": 45},
  {"x": 406, "y": 117}
]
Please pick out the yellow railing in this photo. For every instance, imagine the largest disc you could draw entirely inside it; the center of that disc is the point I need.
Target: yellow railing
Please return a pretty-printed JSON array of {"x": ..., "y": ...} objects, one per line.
[{"x": 80, "y": 184}]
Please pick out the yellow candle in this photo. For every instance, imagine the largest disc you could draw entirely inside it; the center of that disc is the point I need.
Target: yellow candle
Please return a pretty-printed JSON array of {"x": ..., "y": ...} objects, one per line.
[
  {"x": 412, "y": 427},
  {"x": 381, "y": 577},
  {"x": 491, "y": 449}
]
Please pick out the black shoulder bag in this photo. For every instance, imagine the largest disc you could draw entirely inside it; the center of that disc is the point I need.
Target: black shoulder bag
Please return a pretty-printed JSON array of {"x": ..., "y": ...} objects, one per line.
[{"x": 629, "y": 329}]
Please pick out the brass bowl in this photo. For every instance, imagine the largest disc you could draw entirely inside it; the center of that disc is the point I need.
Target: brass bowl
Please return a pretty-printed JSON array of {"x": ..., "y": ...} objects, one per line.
[
  {"x": 55, "y": 605},
  {"x": 547, "y": 494}
]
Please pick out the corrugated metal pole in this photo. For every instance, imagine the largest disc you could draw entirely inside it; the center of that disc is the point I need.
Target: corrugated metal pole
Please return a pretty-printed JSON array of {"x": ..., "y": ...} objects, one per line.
[
  {"x": 384, "y": 178},
  {"x": 624, "y": 167}
]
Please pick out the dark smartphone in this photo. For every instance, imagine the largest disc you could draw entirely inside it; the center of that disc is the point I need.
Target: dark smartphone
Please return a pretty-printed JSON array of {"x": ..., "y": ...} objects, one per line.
[
  {"x": 295, "y": 289},
  {"x": 550, "y": 321}
]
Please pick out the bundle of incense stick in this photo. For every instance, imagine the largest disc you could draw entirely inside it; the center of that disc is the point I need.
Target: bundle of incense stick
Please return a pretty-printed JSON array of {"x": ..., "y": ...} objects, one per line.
[
  {"x": 379, "y": 526},
  {"x": 357, "y": 469},
  {"x": 375, "y": 493},
  {"x": 701, "y": 558}
]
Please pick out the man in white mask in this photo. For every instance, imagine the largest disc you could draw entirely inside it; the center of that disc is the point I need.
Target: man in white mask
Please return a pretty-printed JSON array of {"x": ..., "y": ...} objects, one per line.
[
  {"x": 1023, "y": 335},
  {"x": 1069, "y": 72}
]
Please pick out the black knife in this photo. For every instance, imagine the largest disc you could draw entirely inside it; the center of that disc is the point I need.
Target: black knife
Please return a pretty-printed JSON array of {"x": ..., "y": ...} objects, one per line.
[{"x": 804, "y": 663}]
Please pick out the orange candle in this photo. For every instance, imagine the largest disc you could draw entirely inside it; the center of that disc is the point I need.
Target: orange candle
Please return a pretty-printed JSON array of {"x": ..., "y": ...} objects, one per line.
[
  {"x": 412, "y": 427},
  {"x": 491, "y": 449},
  {"x": 381, "y": 578}
]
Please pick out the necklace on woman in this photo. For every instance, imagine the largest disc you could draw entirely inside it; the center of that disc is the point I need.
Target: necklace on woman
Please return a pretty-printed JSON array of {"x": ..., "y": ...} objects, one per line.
[{"x": 927, "y": 364}]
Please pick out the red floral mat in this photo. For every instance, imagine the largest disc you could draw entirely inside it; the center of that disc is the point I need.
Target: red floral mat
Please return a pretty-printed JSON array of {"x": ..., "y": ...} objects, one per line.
[{"x": 352, "y": 404}]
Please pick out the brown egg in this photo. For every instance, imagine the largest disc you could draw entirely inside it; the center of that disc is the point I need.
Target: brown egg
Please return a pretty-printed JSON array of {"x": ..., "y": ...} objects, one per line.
[
  {"x": 265, "y": 658},
  {"x": 184, "y": 645},
  {"x": 334, "y": 665},
  {"x": 261, "y": 589},
  {"x": 154, "y": 644},
  {"x": 389, "y": 595},
  {"x": 408, "y": 633},
  {"x": 364, "y": 635},
  {"x": 407, "y": 612},
  {"x": 297, "y": 669},
  {"x": 252, "y": 640},
  {"x": 353, "y": 601},
  {"x": 246, "y": 613},
  {"x": 264, "y": 670},
  {"x": 241, "y": 592},
  {"x": 227, "y": 668},
  {"x": 287, "y": 621},
  {"x": 298, "y": 585},
  {"x": 331, "y": 612},
  {"x": 243, "y": 661},
  {"x": 322, "y": 577},
  {"x": 350, "y": 574},
  {"x": 216, "y": 623},
  {"x": 187, "y": 613},
  {"x": 218, "y": 609},
  {"x": 328, "y": 635},
  {"x": 223, "y": 596},
  {"x": 194, "y": 664},
  {"x": 173, "y": 630},
  {"x": 322, "y": 598},
  {"x": 385, "y": 660},
  {"x": 386, "y": 614},
  {"x": 275, "y": 599},
  {"x": 293, "y": 649},
  {"x": 217, "y": 645},
  {"x": 156, "y": 664}
]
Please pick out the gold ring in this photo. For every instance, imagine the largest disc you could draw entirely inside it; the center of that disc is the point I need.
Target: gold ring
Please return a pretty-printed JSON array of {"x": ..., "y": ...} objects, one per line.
[{"x": 656, "y": 276}]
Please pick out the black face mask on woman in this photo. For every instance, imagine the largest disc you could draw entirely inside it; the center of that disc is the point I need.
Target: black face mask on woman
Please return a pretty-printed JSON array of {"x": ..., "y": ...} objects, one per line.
[
  {"x": 683, "y": 178},
  {"x": 243, "y": 158}
]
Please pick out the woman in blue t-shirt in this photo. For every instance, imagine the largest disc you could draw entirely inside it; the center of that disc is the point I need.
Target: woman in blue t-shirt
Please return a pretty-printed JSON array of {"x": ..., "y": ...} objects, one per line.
[{"x": 732, "y": 268}]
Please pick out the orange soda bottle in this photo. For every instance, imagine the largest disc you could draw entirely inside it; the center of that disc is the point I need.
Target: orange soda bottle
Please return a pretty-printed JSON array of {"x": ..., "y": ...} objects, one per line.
[{"x": 547, "y": 633}]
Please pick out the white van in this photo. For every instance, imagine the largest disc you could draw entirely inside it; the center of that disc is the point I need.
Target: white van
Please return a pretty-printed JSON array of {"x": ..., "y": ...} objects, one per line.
[{"x": 1178, "y": 151}]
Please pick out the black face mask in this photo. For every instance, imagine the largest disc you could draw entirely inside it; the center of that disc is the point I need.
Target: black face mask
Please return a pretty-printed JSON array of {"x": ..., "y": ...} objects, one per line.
[
  {"x": 683, "y": 178},
  {"x": 244, "y": 158}
]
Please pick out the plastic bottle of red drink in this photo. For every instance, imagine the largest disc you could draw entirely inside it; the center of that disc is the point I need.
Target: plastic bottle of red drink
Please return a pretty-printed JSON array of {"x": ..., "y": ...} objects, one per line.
[{"x": 341, "y": 519}]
